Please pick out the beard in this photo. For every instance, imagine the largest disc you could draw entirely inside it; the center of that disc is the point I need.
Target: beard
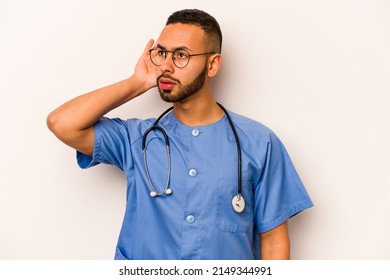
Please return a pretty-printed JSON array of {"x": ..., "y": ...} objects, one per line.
[{"x": 185, "y": 91}]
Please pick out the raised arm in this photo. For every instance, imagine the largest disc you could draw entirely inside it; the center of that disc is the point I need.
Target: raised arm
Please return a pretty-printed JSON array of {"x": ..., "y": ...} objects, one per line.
[{"x": 73, "y": 121}]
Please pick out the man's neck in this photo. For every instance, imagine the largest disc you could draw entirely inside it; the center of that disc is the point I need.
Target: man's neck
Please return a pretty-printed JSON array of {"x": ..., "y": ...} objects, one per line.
[{"x": 198, "y": 111}]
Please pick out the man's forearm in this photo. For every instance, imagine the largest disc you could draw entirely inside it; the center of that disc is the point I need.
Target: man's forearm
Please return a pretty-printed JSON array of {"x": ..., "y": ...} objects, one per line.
[
  {"x": 73, "y": 121},
  {"x": 83, "y": 111}
]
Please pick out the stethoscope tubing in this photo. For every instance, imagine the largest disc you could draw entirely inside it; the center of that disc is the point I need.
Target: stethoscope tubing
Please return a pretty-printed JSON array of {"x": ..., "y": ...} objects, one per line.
[
  {"x": 166, "y": 189},
  {"x": 154, "y": 191},
  {"x": 239, "y": 163}
]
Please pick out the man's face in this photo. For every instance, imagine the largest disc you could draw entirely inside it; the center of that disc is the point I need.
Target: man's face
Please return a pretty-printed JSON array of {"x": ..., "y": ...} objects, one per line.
[{"x": 176, "y": 84}]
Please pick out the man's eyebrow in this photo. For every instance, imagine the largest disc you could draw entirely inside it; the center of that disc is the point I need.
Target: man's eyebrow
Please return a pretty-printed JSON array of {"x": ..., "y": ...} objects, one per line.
[{"x": 177, "y": 48}]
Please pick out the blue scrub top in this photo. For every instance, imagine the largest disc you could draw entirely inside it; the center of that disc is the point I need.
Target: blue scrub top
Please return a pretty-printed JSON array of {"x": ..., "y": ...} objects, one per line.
[{"x": 197, "y": 220}]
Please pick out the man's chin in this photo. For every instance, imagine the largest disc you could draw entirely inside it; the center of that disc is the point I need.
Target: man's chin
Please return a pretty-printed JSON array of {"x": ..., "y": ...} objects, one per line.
[
  {"x": 173, "y": 96},
  {"x": 166, "y": 96}
]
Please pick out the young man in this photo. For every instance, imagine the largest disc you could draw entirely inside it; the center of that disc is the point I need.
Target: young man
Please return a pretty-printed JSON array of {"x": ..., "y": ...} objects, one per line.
[{"x": 203, "y": 183}]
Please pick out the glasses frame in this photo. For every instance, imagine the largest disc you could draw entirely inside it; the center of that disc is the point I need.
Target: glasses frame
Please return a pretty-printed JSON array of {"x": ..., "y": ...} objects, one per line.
[{"x": 173, "y": 59}]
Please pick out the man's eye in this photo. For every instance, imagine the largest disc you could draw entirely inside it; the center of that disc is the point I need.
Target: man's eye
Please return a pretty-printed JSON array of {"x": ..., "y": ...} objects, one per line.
[
  {"x": 161, "y": 53},
  {"x": 181, "y": 55}
]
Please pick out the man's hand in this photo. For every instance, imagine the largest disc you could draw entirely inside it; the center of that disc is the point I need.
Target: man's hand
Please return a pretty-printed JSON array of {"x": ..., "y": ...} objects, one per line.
[{"x": 145, "y": 71}]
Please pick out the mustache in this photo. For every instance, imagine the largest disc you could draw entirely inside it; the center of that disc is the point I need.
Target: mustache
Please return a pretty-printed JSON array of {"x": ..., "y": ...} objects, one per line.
[{"x": 167, "y": 76}]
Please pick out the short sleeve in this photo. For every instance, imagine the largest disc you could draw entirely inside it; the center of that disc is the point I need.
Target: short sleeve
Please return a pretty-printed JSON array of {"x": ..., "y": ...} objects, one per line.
[
  {"x": 280, "y": 193},
  {"x": 111, "y": 145}
]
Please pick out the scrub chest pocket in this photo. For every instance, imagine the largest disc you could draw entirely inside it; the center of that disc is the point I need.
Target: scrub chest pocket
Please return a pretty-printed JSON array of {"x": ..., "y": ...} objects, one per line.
[{"x": 227, "y": 219}]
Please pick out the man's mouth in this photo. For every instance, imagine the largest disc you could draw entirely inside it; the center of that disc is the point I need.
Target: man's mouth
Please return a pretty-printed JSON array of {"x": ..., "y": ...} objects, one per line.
[{"x": 166, "y": 84}]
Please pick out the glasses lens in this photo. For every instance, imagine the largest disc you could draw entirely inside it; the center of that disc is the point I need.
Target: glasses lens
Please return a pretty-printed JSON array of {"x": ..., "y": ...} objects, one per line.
[
  {"x": 157, "y": 56},
  {"x": 181, "y": 58}
]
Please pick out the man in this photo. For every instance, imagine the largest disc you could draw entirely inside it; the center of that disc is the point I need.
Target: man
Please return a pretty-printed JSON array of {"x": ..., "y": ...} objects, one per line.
[{"x": 193, "y": 204}]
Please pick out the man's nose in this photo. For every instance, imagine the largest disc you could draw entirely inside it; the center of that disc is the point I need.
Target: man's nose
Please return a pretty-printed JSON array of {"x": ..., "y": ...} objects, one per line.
[{"x": 168, "y": 65}]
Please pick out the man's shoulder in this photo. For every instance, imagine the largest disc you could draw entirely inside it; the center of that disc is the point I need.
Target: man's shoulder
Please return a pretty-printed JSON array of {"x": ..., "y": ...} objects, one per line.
[
  {"x": 128, "y": 123},
  {"x": 250, "y": 127},
  {"x": 132, "y": 127}
]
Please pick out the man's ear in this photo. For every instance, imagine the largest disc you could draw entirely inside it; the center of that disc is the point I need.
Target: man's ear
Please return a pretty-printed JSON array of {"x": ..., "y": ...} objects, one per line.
[{"x": 214, "y": 64}]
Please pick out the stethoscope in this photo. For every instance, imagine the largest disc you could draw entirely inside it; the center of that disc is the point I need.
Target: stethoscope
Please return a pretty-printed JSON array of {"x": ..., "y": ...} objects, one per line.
[{"x": 238, "y": 201}]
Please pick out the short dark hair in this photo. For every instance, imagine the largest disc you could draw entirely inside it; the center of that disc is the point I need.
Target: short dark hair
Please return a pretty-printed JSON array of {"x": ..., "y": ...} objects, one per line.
[{"x": 202, "y": 19}]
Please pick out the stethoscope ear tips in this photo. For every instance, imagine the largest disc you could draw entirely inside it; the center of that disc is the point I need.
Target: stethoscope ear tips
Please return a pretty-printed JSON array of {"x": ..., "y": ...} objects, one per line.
[{"x": 153, "y": 194}]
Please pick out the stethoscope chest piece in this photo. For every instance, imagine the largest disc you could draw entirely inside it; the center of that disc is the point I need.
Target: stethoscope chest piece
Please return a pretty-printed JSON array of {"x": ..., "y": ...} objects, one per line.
[{"x": 238, "y": 203}]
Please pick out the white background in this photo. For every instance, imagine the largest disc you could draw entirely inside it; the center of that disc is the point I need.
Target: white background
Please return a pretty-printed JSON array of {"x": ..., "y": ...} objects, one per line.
[{"x": 316, "y": 72}]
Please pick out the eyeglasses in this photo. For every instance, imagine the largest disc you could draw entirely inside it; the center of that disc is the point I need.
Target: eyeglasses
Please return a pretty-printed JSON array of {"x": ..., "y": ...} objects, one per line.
[{"x": 180, "y": 57}]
